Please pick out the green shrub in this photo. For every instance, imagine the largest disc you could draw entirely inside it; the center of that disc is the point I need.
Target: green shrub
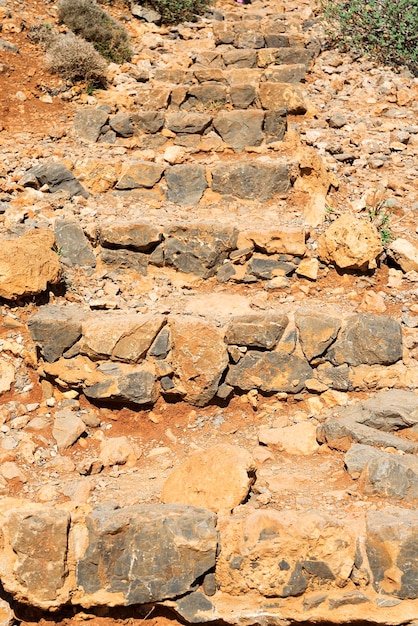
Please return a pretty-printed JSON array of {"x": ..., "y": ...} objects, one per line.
[
  {"x": 387, "y": 30},
  {"x": 176, "y": 11},
  {"x": 76, "y": 59},
  {"x": 89, "y": 21}
]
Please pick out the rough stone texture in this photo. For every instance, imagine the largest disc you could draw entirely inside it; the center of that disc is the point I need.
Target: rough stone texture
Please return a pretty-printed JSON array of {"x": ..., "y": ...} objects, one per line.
[
  {"x": 282, "y": 95},
  {"x": 242, "y": 96},
  {"x": 368, "y": 339},
  {"x": 297, "y": 439},
  {"x": 269, "y": 371},
  {"x": 67, "y": 428},
  {"x": 88, "y": 123},
  {"x": 7, "y": 375},
  {"x": 187, "y": 122},
  {"x": 256, "y": 331},
  {"x": 216, "y": 479},
  {"x": 199, "y": 359},
  {"x": 72, "y": 244},
  {"x": 149, "y": 121},
  {"x": 136, "y": 386},
  {"x": 316, "y": 332},
  {"x": 120, "y": 337},
  {"x": 405, "y": 254},
  {"x": 125, "y": 260},
  {"x": 280, "y": 553},
  {"x": 240, "y": 128},
  {"x": 145, "y": 554},
  {"x": 36, "y": 542},
  {"x": 286, "y": 241},
  {"x": 240, "y": 58},
  {"x": 389, "y": 410},
  {"x": 140, "y": 174},
  {"x": 383, "y": 473},
  {"x": 391, "y": 545},
  {"x": 28, "y": 264},
  {"x": 122, "y": 124},
  {"x": 275, "y": 125},
  {"x": 199, "y": 249},
  {"x": 7, "y": 617},
  {"x": 290, "y": 73},
  {"x": 253, "y": 181},
  {"x": 186, "y": 183},
  {"x": 350, "y": 243},
  {"x": 141, "y": 236},
  {"x": 56, "y": 176}
]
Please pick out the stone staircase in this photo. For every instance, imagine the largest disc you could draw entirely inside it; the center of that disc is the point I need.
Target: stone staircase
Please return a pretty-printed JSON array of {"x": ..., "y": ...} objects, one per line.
[{"x": 185, "y": 276}]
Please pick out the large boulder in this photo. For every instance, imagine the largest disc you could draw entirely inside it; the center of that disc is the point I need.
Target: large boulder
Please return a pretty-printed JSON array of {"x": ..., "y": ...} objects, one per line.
[
  {"x": 56, "y": 328},
  {"x": 28, "y": 264}
]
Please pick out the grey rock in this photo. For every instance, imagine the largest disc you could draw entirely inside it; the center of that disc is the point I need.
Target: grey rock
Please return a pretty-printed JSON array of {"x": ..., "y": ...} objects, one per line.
[
  {"x": 161, "y": 344},
  {"x": 8, "y": 47},
  {"x": 187, "y": 122},
  {"x": 88, "y": 123},
  {"x": 149, "y": 121},
  {"x": 352, "y": 597},
  {"x": 269, "y": 372},
  {"x": 256, "y": 331},
  {"x": 341, "y": 433},
  {"x": 368, "y": 339},
  {"x": 240, "y": 58},
  {"x": 73, "y": 245},
  {"x": 264, "y": 267},
  {"x": 144, "y": 554},
  {"x": 138, "y": 388},
  {"x": 275, "y": 125},
  {"x": 251, "y": 181},
  {"x": 146, "y": 13},
  {"x": 250, "y": 39},
  {"x": 316, "y": 332},
  {"x": 242, "y": 96},
  {"x": 122, "y": 125},
  {"x": 359, "y": 455},
  {"x": 122, "y": 260},
  {"x": 240, "y": 128},
  {"x": 199, "y": 249},
  {"x": 55, "y": 328},
  {"x": 56, "y": 176},
  {"x": 338, "y": 120},
  {"x": 389, "y": 410},
  {"x": 392, "y": 476},
  {"x": 195, "y": 608},
  {"x": 391, "y": 544},
  {"x": 275, "y": 38},
  {"x": 335, "y": 377},
  {"x": 208, "y": 94},
  {"x": 186, "y": 183}
]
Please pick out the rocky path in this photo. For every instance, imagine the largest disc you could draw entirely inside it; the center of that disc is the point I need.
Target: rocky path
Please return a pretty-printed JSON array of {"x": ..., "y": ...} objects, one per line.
[{"x": 208, "y": 295}]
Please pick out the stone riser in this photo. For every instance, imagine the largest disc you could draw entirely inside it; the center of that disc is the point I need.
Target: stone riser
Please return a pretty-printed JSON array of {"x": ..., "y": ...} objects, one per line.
[
  {"x": 135, "y": 358},
  {"x": 293, "y": 565}
]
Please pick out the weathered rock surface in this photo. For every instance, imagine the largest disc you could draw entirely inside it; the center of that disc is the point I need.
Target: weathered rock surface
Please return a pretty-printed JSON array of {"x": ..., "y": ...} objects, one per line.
[
  {"x": 405, "y": 254},
  {"x": 144, "y": 554},
  {"x": 269, "y": 371},
  {"x": 72, "y": 244},
  {"x": 350, "y": 243},
  {"x": 255, "y": 181},
  {"x": 28, "y": 264},
  {"x": 316, "y": 332},
  {"x": 297, "y": 439},
  {"x": 55, "y": 329},
  {"x": 56, "y": 176},
  {"x": 199, "y": 359},
  {"x": 256, "y": 331},
  {"x": 216, "y": 479}
]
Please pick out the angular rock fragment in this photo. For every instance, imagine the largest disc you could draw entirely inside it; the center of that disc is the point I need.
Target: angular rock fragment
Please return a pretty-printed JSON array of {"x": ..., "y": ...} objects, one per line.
[
  {"x": 144, "y": 554},
  {"x": 316, "y": 331},
  {"x": 350, "y": 243},
  {"x": 57, "y": 178},
  {"x": 240, "y": 128},
  {"x": 186, "y": 183},
  {"x": 73, "y": 245},
  {"x": 141, "y": 236},
  {"x": 256, "y": 331},
  {"x": 217, "y": 478},
  {"x": 250, "y": 180}
]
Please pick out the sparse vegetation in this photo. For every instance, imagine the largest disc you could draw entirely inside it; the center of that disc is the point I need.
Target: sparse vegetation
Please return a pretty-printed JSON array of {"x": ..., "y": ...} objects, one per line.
[
  {"x": 381, "y": 217},
  {"x": 176, "y": 11},
  {"x": 76, "y": 59},
  {"x": 88, "y": 20},
  {"x": 386, "y": 30}
]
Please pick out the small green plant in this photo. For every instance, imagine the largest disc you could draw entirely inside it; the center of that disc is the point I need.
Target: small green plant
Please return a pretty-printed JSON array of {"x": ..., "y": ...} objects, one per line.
[
  {"x": 386, "y": 30},
  {"x": 176, "y": 11},
  {"x": 380, "y": 218},
  {"x": 89, "y": 21},
  {"x": 75, "y": 59}
]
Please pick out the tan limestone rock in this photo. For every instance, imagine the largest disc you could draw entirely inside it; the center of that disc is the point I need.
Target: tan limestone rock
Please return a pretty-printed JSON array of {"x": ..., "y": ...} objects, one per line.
[
  {"x": 275, "y": 96},
  {"x": 28, "y": 264},
  {"x": 199, "y": 358},
  {"x": 216, "y": 479},
  {"x": 74, "y": 372},
  {"x": 290, "y": 550},
  {"x": 297, "y": 439},
  {"x": 350, "y": 243},
  {"x": 117, "y": 451},
  {"x": 285, "y": 241},
  {"x": 308, "y": 268},
  {"x": 405, "y": 254},
  {"x": 7, "y": 375}
]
